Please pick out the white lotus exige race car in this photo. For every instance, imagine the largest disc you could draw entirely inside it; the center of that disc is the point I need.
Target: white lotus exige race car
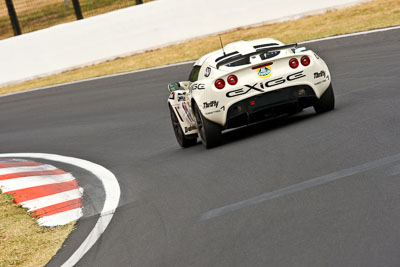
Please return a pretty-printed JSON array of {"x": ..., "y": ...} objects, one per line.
[{"x": 246, "y": 82}]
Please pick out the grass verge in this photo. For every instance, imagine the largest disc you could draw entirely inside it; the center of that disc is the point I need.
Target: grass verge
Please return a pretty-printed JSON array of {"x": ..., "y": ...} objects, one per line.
[
  {"x": 370, "y": 15},
  {"x": 22, "y": 241}
]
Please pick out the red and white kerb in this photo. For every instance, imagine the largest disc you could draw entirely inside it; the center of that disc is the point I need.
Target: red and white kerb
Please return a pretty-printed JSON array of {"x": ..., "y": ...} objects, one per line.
[{"x": 50, "y": 194}]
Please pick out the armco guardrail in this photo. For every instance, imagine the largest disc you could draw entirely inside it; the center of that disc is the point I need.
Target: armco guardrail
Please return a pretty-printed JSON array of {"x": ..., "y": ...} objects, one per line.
[{"x": 139, "y": 28}]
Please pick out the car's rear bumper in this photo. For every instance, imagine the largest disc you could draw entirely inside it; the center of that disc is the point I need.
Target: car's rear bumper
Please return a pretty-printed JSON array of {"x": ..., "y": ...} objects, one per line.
[{"x": 269, "y": 105}]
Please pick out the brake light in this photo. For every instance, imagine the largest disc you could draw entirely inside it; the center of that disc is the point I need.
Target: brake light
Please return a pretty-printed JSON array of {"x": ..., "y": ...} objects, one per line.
[
  {"x": 305, "y": 60},
  {"x": 219, "y": 84},
  {"x": 232, "y": 80},
  {"x": 293, "y": 63},
  {"x": 263, "y": 65}
]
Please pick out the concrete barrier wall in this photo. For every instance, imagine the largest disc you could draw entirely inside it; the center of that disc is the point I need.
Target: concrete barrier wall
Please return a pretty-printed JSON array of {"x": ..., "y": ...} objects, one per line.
[{"x": 139, "y": 28}]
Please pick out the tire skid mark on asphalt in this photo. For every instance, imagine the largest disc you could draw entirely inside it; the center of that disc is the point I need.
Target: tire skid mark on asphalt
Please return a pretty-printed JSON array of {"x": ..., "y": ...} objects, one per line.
[
  {"x": 301, "y": 186},
  {"x": 395, "y": 170},
  {"x": 43, "y": 189}
]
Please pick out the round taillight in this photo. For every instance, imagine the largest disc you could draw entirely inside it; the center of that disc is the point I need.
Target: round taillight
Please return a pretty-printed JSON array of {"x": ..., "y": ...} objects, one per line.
[
  {"x": 305, "y": 60},
  {"x": 293, "y": 63},
  {"x": 232, "y": 80},
  {"x": 220, "y": 84}
]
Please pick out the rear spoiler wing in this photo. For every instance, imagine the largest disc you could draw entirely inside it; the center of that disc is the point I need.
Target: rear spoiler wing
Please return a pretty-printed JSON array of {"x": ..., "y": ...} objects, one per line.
[{"x": 261, "y": 51}]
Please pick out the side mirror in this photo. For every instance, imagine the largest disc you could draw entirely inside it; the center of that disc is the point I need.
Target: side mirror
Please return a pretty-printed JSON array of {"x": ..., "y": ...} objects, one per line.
[{"x": 174, "y": 86}]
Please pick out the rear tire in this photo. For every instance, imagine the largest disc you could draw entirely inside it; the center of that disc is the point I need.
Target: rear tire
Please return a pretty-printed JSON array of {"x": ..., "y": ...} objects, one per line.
[
  {"x": 183, "y": 140},
  {"x": 210, "y": 132},
  {"x": 326, "y": 102}
]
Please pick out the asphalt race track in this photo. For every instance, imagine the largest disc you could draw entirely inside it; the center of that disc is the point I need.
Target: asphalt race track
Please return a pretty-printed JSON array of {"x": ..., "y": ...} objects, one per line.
[{"x": 307, "y": 190}]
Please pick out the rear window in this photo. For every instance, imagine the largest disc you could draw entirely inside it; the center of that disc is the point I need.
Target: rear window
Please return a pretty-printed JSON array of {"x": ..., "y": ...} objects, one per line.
[
  {"x": 241, "y": 62},
  {"x": 194, "y": 74},
  {"x": 246, "y": 60},
  {"x": 269, "y": 55}
]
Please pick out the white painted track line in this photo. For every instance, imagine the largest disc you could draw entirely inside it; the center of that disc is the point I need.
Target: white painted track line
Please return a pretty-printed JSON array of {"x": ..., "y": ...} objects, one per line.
[
  {"x": 46, "y": 201},
  {"x": 59, "y": 218},
  {"x": 26, "y": 182},
  {"x": 43, "y": 167}
]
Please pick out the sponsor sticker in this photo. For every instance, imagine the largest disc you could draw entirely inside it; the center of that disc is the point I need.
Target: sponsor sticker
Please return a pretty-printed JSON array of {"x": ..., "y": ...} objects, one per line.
[
  {"x": 264, "y": 72},
  {"x": 268, "y": 84},
  {"x": 198, "y": 86},
  {"x": 212, "y": 112},
  {"x": 186, "y": 111},
  {"x": 210, "y": 104},
  {"x": 182, "y": 97},
  {"x": 323, "y": 81},
  {"x": 319, "y": 74}
]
